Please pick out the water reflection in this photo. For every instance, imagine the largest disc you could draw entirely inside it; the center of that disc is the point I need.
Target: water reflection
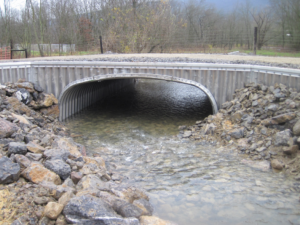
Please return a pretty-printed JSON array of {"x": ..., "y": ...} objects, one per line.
[{"x": 189, "y": 184}]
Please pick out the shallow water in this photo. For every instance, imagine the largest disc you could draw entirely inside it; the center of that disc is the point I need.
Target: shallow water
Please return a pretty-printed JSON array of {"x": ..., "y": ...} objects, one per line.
[{"x": 188, "y": 183}]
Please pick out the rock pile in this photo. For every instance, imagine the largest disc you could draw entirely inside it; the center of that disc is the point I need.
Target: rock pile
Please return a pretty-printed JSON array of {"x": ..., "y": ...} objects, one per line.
[
  {"x": 261, "y": 122},
  {"x": 46, "y": 178}
]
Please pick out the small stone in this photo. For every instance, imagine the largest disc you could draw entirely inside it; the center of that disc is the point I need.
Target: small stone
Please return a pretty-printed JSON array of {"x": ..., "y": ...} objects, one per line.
[
  {"x": 23, "y": 161},
  {"x": 291, "y": 150},
  {"x": 34, "y": 156},
  {"x": 187, "y": 134},
  {"x": 276, "y": 164},
  {"x": 65, "y": 198},
  {"x": 35, "y": 148},
  {"x": 237, "y": 133},
  {"x": 261, "y": 149},
  {"x": 282, "y": 137},
  {"x": 296, "y": 128},
  {"x": 76, "y": 176},
  {"x": 9, "y": 171},
  {"x": 53, "y": 209},
  {"x": 41, "y": 200}
]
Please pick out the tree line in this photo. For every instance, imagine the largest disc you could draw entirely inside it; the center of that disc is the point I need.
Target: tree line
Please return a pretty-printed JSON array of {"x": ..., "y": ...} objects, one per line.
[{"x": 149, "y": 26}]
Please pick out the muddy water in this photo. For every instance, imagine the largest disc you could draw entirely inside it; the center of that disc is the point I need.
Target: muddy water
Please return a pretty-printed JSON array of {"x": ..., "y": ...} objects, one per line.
[{"x": 188, "y": 182}]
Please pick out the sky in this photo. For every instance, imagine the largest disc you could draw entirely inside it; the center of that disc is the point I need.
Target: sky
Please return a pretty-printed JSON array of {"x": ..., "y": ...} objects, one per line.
[{"x": 220, "y": 4}]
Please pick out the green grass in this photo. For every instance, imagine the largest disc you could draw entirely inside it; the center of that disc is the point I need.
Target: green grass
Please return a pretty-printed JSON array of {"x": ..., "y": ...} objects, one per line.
[{"x": 273, "y": 53}]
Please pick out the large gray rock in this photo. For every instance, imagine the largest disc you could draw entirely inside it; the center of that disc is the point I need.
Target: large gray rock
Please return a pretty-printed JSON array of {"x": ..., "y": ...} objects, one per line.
[
  {"x": 88, "y": 209},
  {"x": 296, "y": 128},
  {"x": 59, "y": 167},
  {"x": 17, "y": 148},
  {"x": 56, "y": 154},
  {"x": 129, "y": 210},
  {"x": 9, "y": 171},
  {"x": 282, "y": 137},
  {"x": 7, "y": 128},
  {"x": 23, "y": 96}
]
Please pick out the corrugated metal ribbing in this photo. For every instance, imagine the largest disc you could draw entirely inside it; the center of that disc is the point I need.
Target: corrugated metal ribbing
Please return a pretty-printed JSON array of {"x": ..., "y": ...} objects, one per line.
[
  {"x": 218, "y": 81},
  {"x": 78, "y": 97}
]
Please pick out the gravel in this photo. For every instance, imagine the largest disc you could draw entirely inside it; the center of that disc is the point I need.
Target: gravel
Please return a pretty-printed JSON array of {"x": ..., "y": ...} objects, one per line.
[{"x": 284, "y": 62}]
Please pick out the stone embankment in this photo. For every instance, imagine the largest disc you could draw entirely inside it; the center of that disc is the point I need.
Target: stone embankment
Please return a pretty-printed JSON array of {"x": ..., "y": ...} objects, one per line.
[
  {"x": 46, "y": 178},
  {"x": 262, "y": 123}
]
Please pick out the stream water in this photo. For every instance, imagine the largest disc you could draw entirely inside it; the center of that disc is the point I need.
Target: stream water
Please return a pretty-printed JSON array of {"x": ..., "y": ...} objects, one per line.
[{"x": 188, "y": 183}]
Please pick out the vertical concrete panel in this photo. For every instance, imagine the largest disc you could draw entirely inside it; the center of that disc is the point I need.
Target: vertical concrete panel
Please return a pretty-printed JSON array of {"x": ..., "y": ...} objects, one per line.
[
  {"x": 230, "y": 85},
  {"x": 49, "y": 80},
  {"x": 56, "y": 81},
  {"x": 223, "y": 86}
]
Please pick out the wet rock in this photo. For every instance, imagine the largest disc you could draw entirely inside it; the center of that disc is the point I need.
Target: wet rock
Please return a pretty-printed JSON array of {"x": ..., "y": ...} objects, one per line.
[
  {"x": 9, "y": 171},
  {"x": 291, "y": 150},
  {"x": 96, "y": 160},
  {"x": 296, "y": 128},
  {"x": 52, "y": 154},
  {"x": 17, "y": 148},
  {"x": 153, "y": 220},
  {"x": 35, "y": 148},
  {"x": 187, "y": 134},
  {"x": 52, "y": 210},
  {"x": 23, "y": 96},
  {"x": 237, "y": 133},
  {"x": 79, "y": 209},
  {"x": 276, "y": 164},
  {"x": 7, "y": 128},
  {"x": 129, "y": 193},
  {"x": 93, "y": 182},
  {"x": 37, "y": 173},
  {"x": 23, "y": 161},
  {"x": 282, "y": 137},
  {"x": 129, "y": 210},
  {"x": 144, "y": 205},
  {"x": 34, "y": 156},
  {"x": 261, "y": 165},
  {"x": 59, "y": 167}
]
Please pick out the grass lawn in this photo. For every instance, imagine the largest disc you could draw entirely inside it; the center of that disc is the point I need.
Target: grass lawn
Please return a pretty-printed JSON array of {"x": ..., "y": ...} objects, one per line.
[{"x": 273, "y": 53}]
